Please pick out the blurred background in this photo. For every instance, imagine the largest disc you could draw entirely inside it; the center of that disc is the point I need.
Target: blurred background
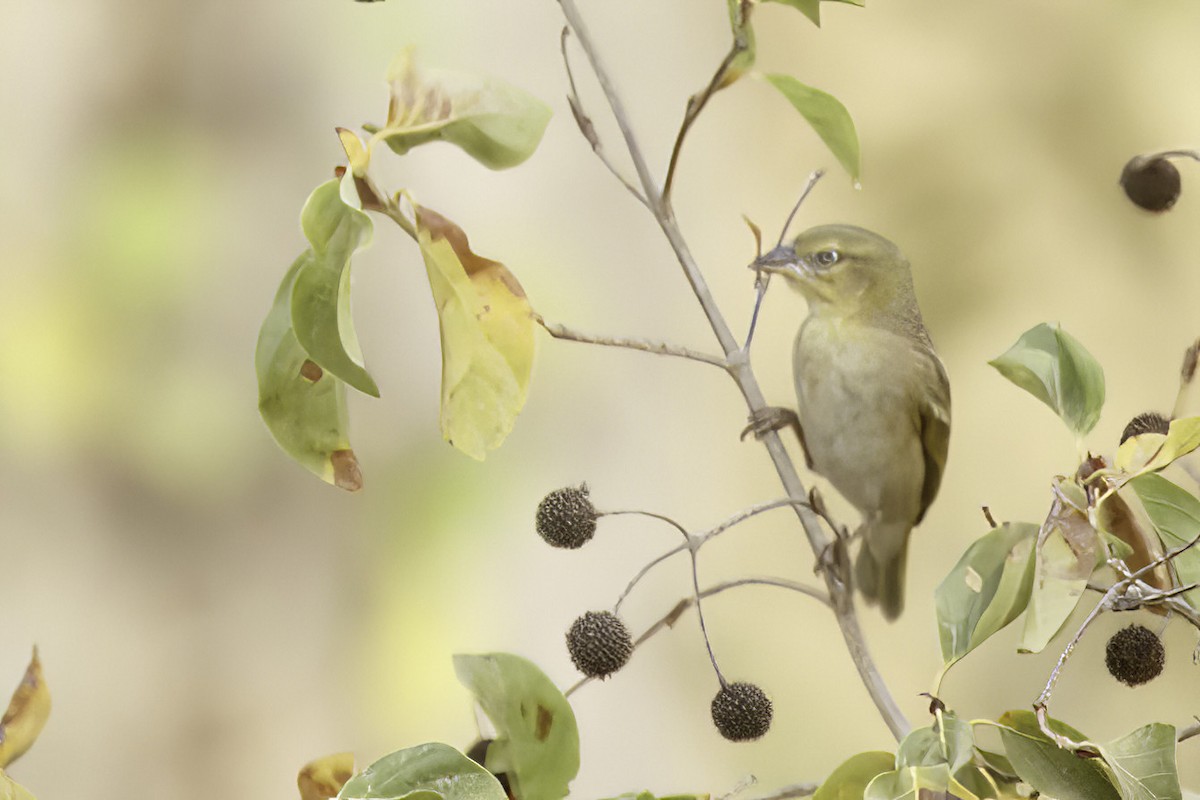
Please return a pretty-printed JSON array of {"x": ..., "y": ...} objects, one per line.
[{"x": 211, "y": 617}]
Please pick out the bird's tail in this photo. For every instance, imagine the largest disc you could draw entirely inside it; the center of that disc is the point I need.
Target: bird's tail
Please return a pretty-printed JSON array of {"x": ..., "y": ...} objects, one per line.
[{"x": 880, "y": 567}]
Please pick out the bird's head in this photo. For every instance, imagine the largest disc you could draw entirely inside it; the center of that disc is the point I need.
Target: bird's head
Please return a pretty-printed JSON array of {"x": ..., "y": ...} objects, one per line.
[{"x": 843, "y": 269}]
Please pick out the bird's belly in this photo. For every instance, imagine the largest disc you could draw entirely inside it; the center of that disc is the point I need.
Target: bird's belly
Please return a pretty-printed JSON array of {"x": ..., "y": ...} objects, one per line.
[{"x": 863, "y": 435}]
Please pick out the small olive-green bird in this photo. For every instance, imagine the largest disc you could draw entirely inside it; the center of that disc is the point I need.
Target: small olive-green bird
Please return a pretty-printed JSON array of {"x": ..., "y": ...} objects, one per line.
[{"x": 874, "y": 401}]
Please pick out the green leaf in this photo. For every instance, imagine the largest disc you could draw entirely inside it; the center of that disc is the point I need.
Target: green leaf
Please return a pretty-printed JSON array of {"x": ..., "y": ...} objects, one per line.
[
  {"x": 495, "y": 123},
  {"x": 1055, "y": 368},
  {"x": 303, "y": 406},
  {"x": 1068, "y": 551},
  {"x": 950, "y": 743},
  {"x": 850, "y": 779},
  {"x": 917, "y": 783},
  {"x": 812, "y": 8},
  {"x": 537, "y": 742},
  {"x": 986, "y": 590},
  {"x": 652, "y": 796},
  {"x": 321, "y": 297},
  {"x": 828, "y": 117},
  {"x": 1144, "y": 763},
  {"x": 487, "y": 337},
  {"x": 425, "y": 772},
  {"x": 11, "y": 790},
  {"x": 1175, "y": 514},
  {"x": 1047, "y": 767}
]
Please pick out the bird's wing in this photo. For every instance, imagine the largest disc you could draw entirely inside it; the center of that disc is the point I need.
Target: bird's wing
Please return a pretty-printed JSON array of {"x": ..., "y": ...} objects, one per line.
[{"x": 934, "y": 409}]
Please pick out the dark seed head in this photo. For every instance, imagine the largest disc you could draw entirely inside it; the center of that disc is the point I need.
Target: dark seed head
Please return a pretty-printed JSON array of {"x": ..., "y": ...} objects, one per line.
[
  {"x": 1134, "y": 655},
  {"x": 599, "y": 644},
  {"x": 1151, "y": 183},
  {"x": 566, "y": 517},
  {"x": 1149, "y": 422},
  {"x": 742, "y": 712}
]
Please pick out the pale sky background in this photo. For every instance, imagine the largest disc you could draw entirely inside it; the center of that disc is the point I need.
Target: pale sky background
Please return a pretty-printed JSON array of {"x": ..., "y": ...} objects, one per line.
[{"x": 210, "y": 616}]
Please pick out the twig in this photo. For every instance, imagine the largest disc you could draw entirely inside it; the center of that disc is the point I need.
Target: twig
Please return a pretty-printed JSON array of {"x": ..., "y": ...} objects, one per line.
[
  {"x": 987, "y": 514},
  {"x": 739, "y": 369},
  {"x": 1189, "y": 731},
  {"x": 693, "y": 541},
  {"x": 671, "y": 617},
  {"x": 646, "y": 346},
  {"x": 589, "y": 130},
  {"x": 696, "y": 104}
]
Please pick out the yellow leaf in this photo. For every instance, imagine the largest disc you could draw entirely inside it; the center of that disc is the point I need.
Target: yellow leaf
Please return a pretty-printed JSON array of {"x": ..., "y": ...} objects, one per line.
[
  {"x": 26, "y": 714},
  {"x": 487, "y": 337},
  {"x": 323, "y": 778},
  {"x": 1182, "y": 438},
  {"x": 356, "y": 152}
]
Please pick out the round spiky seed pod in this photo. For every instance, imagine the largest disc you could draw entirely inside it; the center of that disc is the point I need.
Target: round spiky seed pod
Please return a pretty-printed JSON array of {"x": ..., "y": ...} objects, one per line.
[
  {"x": 566, "y": 517},
  {"x": 1149, "y": 422},
  {"x": 599, "y": 643},
  {"x": 1152, "y": 183},
  {"x": 742, "y": 712},
  {"x": 1134, "y": 655}
]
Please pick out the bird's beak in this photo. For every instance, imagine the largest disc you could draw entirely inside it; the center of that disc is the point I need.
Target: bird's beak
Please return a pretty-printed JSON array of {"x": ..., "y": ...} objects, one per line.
[{"x": 781, "y": 259}]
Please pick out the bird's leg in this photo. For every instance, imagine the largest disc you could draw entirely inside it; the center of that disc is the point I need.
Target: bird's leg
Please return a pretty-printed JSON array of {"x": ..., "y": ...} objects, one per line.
[{"x": 773, "y": 418}]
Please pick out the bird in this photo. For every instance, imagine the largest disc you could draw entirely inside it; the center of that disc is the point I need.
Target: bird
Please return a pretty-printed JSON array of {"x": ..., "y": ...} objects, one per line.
[{"x": 873, "y": 398}]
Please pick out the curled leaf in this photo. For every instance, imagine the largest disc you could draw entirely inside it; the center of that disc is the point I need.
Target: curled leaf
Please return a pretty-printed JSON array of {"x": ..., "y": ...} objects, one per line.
[
  {"x": 304, "y": 408},
  {"x": 323, "y": 778},
  {"x": 1143, "y": 763},
  {"x": 320, "y": 303},
  {"x": 1055, "y": 368},
  {"x": 1182, "y": 438},
  {"x": 495, "y": 123},
  {"x": 487, "y": 337},
  {"x": 26, "y": 714},
  {"x": 827, "y": 116},
  {"x": 850, "y": 779}
]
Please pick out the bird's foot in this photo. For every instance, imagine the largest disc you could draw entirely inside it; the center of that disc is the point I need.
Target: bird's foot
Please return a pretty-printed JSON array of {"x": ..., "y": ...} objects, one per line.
[{"x": 771, "y": 418}]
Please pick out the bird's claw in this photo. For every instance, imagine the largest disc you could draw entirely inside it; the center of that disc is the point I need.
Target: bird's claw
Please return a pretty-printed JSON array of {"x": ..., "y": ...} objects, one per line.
[{"x": 771, "y": 418}]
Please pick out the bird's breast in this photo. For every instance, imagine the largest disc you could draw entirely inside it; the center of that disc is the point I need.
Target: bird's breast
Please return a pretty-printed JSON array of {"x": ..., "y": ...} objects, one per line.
[{"x": 857, "y": 406}]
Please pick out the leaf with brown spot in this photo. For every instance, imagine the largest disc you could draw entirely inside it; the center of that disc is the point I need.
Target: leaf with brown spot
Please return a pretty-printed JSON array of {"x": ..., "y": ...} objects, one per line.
[
  {"x": 323, "y": 778},
  {"x": 26, "y": 715},
  {"x": 494, "y": 122},
  {"x": 486, "y": 333}
]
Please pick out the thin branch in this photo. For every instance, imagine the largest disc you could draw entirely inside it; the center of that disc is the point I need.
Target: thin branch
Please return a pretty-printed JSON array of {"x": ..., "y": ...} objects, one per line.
[
  {"x": 669, "y": 619},
  {"x": 739, "y": 369},
  {"x": 695, "y": 105},
  {"x": 1189, "y": 731},
  {"x": 645, "y": 345},
  {"x": 589, "y": 130}
]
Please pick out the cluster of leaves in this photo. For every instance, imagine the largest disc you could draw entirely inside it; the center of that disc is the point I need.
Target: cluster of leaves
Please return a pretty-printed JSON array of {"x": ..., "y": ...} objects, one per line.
[
  {"x": 23, "y": 720},
  {"x": 533, "y": 753},
  {"x": 308, "y": 352},
  {"x": 945, "y": 760}
]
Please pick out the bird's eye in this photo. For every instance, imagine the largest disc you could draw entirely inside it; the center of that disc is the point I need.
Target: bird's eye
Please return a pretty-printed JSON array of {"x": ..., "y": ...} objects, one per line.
[{"x": 825, "y": 258}]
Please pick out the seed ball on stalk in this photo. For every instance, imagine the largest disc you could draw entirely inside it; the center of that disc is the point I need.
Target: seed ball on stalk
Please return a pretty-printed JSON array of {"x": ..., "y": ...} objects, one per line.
[
  {"x": 1134, "y": 655},
  {"x": 742, "y": 712},
  {"x": 1152, "y": 183},
  {"x": 599, "y": 643},
  {"x": 566, "y": 517}
]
